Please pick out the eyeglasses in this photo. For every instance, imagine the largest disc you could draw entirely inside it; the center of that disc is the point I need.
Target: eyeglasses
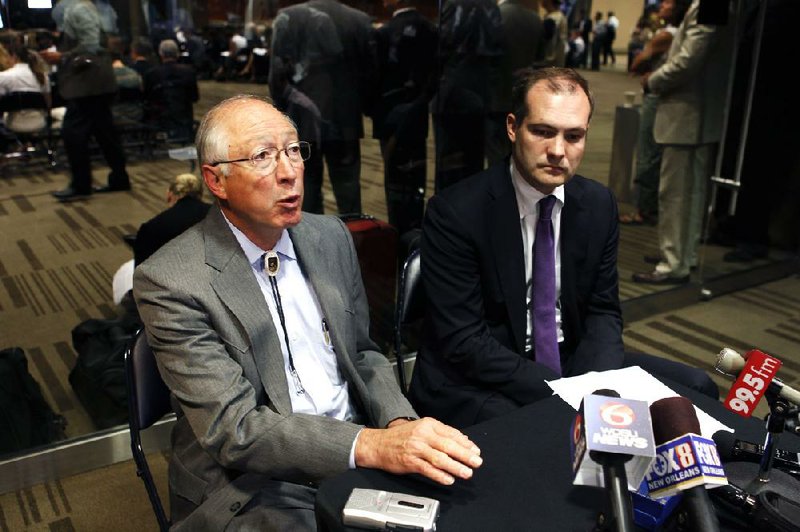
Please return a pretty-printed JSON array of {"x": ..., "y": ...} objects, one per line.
[{"x": 266, "y": 159}]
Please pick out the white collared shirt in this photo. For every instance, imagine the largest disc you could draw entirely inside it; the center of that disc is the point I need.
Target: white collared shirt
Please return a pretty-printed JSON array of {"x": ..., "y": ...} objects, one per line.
[
  {"x": 326, "y": 392},
  {"x": 528, "y": 206}
]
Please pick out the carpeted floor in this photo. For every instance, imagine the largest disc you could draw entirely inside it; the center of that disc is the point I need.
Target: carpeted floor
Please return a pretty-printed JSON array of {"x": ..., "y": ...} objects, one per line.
[{"x": 110, "y": 498}]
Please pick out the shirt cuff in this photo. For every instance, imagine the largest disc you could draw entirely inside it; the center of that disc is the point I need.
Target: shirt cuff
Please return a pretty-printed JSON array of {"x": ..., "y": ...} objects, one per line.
[{"x": 352, "y": 461}]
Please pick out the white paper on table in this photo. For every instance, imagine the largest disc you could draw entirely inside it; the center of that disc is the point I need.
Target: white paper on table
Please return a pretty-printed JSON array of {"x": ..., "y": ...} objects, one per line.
[{"x": 630, "y": 383}]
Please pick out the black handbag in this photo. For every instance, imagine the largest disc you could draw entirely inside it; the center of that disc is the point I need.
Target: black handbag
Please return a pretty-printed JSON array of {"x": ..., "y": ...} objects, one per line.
[{"x": 84, "y": 74}]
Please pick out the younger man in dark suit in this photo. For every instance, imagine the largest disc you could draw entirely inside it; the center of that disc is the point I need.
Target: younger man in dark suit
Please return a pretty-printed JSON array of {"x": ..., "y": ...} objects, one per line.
[{"x": 491, "y": 342}]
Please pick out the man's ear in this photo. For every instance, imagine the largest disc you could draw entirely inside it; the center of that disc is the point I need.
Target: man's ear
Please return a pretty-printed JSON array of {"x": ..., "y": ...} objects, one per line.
[
  {"x": 511, "y": 124},
  {"x": 215, "y": 181}
]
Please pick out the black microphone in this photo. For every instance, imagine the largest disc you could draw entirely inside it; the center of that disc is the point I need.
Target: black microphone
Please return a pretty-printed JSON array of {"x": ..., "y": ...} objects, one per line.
[
  {"x": 674, "y": 418},
  {"x": 607, "y": 433},
  {"x": 767, "y": 511},
  {"x": 733, "y": 449},
  {"x": 616, "y": 479}
]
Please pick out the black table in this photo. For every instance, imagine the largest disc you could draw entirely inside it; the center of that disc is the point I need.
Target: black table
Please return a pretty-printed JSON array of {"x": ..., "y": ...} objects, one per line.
[{"x": 525, "y": 482}]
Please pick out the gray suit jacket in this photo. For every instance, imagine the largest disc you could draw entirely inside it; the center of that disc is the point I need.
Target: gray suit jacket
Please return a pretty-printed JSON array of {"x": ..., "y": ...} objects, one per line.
[
  {"x": 218, "y": 352},
  {"x": 692, "y": 83}
]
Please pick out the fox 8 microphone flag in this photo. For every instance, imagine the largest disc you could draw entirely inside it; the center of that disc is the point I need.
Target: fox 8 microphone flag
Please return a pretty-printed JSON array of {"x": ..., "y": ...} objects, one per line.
[{"x": 683, "y": 463}]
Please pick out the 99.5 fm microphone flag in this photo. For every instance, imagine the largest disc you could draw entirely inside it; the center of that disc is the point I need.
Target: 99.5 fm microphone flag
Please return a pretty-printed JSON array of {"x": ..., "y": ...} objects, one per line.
[{"x": 755, "y": 374}]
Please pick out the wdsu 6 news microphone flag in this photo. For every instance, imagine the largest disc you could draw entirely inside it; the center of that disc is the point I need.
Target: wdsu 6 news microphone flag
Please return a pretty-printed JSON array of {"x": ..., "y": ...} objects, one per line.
[{"x": 611, "y": 425}]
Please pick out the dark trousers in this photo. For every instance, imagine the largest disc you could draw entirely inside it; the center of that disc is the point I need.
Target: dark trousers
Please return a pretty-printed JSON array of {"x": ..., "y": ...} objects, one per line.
[
  {"x": 459, "y": 146},
  {"x": 404, "y": 168},
  {"x": 312, "y": 178},
  {"x": 343, "y": 158},
  {"x": 91, "y": 117},
  {"x": 597, "y": 48},
  {"x": 498, "y": 145},
  {"x": 608, "y": 50}
]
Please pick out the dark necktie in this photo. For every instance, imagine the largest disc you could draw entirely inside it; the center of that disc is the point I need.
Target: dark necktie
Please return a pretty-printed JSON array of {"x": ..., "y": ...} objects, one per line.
[{"x": 545, "y": 336}]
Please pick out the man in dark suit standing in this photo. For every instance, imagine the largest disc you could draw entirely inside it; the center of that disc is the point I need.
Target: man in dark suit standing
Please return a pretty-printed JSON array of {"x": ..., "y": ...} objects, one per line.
[
  {"x": 491, "y": 342},
  {"x": 339, "y": 82},
  {"x": 406, "y": 71},
  {"x": 470, "y": 48},
  {"x": 523, "y": 31},
  {"x": 585, "y": 26}
]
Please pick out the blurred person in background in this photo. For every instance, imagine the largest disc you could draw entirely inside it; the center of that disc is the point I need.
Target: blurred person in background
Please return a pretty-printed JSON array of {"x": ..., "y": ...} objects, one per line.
[
  {"x": 23, "y": 71},
  {"x": 85, "y": 67}
]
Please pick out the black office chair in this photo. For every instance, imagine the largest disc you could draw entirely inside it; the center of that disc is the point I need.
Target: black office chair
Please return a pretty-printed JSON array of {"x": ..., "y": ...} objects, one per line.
[
  {"x": 148, "y": 401},
  {"x": 408, "y": 313},
  {"x": 40, "y": 142}
]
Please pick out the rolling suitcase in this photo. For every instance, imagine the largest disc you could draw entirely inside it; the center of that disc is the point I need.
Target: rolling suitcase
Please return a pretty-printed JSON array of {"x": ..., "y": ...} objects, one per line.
[{"x": 376, "y": 245}]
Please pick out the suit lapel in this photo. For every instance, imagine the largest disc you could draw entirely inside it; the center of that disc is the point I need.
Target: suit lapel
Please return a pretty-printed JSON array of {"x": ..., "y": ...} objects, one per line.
[
  {"x": 506, "y": 242},
  {"x": 319, "y": 270},
  {"x": 574, "y": 241},
  {"x": 238, "y": 289}
]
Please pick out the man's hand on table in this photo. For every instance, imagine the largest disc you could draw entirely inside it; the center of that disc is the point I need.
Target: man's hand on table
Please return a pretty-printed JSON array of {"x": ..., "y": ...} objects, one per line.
[{"x": 425, "y": 446}]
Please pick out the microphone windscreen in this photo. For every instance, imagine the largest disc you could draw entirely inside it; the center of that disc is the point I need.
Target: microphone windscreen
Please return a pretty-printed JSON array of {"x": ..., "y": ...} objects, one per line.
[
  {"x": 729, "y": 361},
  {"x": 606, "y": 392},
  {"x": 725, "y": 442},
  {"x": 673, "y": 417}
]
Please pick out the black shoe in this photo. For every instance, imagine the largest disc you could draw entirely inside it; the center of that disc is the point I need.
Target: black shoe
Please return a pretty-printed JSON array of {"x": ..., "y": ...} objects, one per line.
[
  {"x": 652, "y": 259},
  {"x": 658, "y": 278},
  {"x": 70, "y": 194},
  {"x": 109, "y": 188}
]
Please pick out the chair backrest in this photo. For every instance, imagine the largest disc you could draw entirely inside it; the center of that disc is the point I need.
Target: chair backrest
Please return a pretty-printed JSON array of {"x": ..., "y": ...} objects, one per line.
[
  {"x": 148, "y": 393},
  {"x": 148, "y": 401},
  {"x": 19, "y": 100},
  {"x": 410, "y": 309}
]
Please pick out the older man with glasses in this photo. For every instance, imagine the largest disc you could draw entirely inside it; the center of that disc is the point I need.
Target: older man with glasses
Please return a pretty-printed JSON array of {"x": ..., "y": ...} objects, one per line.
[{"x": 258, "y": 320}]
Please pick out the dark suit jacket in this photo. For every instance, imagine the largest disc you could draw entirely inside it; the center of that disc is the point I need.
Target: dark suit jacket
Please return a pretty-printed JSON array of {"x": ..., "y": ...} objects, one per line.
[
  {"x": 471, "y": 45},
  {"x": 523, "y": 31},
  {"x": 353, "y": 75},
  {"x": 472, "y": 363},
  {"x": 166, "y": 225},
  {"x": 170, "y": 89},
  {"x": 219, "y": 353},
  {"x": 406, "y": 70}
]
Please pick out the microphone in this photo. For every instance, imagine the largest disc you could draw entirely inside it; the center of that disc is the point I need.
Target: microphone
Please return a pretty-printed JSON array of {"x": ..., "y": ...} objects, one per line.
[
  {"x": 767, "y": 511},
  {"x": 685, "y": 461},
  {"x": 612, "y": 442},
  {"x": 755, "y": 375},
  {"x": 733, "y": 449}
]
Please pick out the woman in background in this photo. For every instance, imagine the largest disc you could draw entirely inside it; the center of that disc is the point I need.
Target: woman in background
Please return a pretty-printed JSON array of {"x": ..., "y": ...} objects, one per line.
[{"x": 26, "y": 72}]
